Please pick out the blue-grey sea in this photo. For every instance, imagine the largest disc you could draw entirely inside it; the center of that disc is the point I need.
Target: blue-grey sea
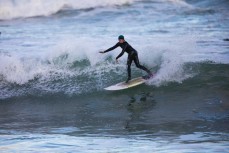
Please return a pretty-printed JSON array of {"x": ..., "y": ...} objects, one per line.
[{"x": 52, "y": 76}]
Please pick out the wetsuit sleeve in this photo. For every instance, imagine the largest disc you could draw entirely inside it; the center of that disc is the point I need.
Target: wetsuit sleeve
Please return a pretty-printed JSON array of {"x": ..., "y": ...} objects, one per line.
[
  {"x": 123, "y": 51},
  {"x": 112, "y": 48}
]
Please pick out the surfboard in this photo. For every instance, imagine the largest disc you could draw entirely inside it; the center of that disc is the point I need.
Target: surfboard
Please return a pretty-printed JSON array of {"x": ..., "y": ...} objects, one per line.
[{"x": 132, "y": 83}]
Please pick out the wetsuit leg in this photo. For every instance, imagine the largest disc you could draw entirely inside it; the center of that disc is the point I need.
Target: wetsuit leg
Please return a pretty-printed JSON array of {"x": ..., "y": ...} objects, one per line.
[
  {"x": 129, "y": 62},
  {"x": 138, "y": 65}
]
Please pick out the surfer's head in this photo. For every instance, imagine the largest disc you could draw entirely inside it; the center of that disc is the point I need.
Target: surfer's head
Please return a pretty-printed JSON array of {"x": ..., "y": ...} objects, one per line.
[{"x": 121, "y": 38}]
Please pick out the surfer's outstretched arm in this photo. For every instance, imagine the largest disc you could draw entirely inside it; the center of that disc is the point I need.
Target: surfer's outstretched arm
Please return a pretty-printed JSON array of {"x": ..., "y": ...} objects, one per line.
[{"x": 110, "y": 49}]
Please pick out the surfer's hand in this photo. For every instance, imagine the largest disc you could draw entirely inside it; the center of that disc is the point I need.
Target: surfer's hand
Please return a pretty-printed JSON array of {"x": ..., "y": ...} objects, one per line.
[
  {"x": 102, "y": 52},
  {"x": 117, "y": 61}
]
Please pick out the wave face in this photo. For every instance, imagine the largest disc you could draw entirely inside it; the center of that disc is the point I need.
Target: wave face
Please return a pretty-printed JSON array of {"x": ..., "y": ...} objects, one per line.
[{"x": 10, "y": 9}]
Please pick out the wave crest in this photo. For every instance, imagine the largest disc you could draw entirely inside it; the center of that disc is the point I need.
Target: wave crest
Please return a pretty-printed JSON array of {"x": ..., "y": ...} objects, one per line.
[{"x": 10, "y": 9}]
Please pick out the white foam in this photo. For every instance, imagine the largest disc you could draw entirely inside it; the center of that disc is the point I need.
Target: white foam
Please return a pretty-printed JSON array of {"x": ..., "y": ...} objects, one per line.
[
  {"x": 171, "y": 58},
  {"x": 107, "y": 143},
  {"x": 10, "y": 9},
  {"x": 60, "y": 60},
  {"x": 171, "y": 70},
  {"x": 181, "y": 3},
  {"x": 20, "y": 71},
  {"x": 56, "y": 61}
]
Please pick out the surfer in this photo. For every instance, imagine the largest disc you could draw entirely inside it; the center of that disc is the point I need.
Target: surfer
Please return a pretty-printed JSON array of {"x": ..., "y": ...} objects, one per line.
[{"x": 132, "y": 56}]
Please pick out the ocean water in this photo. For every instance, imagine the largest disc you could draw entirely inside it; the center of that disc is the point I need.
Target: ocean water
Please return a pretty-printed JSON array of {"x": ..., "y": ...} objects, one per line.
[{"x": 52, "y": 78}]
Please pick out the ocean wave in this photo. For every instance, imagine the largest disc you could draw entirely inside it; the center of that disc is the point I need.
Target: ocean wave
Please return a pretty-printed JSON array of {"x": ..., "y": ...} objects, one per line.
[
  {"x": 94, "y": 79},
  {"x": 66, "y": 71},
  {"x": 74, "y": 66},
  {"x": 209, "y": 3},
  {"x": 10, "y": 9}
]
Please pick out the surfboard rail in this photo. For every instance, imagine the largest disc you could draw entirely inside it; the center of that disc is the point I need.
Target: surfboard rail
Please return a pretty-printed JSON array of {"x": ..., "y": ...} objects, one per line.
[{"x": 123, "y": 85}]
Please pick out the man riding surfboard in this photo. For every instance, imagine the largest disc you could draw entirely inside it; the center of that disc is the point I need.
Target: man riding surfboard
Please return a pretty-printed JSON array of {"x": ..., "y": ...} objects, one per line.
[{"x": 132, "y": 56}]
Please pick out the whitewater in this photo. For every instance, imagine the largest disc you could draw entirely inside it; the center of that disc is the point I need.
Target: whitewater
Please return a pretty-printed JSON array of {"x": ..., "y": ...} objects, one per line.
[{"x": 52, "y": 77}]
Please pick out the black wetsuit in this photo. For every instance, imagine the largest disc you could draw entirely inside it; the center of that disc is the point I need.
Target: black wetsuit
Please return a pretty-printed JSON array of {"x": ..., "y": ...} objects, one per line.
[{"x": 132, "y": 56}]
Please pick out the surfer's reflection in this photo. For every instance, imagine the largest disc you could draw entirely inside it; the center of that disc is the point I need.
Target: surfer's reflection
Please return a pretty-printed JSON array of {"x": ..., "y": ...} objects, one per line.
[{"x": 138, "y": 107}]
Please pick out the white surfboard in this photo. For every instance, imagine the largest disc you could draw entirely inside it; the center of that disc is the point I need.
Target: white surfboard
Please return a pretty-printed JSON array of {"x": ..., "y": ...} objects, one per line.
[{"x": 124, "y": 85}]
